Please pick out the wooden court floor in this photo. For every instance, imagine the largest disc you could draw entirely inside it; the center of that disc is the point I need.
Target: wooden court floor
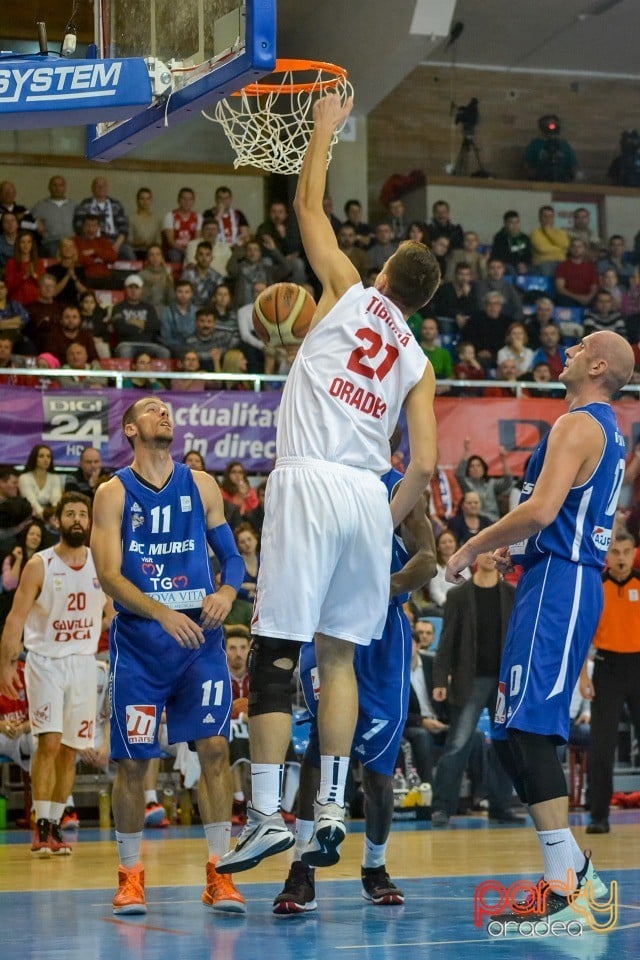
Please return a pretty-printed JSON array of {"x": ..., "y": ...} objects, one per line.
[{"x": 62, "y": 907}]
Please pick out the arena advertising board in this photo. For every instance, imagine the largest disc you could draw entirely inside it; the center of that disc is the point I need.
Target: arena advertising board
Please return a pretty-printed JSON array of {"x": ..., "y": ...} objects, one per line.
[{"x": 234, "y": 425}]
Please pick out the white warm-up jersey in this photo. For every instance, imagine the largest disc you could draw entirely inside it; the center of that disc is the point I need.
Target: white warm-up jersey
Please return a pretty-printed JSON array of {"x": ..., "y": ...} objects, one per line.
[
  {"x": 352, "y": 373},
  {"x": 67, "y": 616}
]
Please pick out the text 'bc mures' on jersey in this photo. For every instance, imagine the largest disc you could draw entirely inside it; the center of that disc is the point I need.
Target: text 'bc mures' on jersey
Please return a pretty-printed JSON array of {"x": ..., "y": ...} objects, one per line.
[
  {"x": 582, "y": 530},
  {"x": 164, "y": 547},
  {"x": 345, "y": 390}
]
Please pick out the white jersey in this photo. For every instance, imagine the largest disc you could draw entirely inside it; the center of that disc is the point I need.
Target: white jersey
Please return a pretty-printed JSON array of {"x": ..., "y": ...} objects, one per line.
[
  {"x": 67, "y": 616},
  {"x": 352, "y": 373}
]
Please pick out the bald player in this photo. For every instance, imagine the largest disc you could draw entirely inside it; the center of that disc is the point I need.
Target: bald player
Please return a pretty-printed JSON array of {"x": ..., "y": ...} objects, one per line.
[{"x": 560, "y": 533}]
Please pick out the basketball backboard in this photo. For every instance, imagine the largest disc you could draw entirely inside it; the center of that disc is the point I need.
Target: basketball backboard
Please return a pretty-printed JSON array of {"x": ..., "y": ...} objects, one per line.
[{"x": 196, "y": 51}]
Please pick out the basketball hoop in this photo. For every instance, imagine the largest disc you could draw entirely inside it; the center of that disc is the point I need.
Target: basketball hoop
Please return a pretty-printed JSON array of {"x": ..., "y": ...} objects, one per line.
[{"x": 269, "y": 124}]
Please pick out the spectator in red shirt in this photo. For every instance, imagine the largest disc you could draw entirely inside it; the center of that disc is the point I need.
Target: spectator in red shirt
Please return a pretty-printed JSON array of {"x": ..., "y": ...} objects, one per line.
[
  {"x": 236, "y": 489},
  {"x": 95, "y": 253},
  {"x": 44, "y": 313},
  {"x": 24, "y": 270},
  {"x": 576, "y": 277},
  {"x": 181, "y": 226},
  {"x": 550, "y": 351}
]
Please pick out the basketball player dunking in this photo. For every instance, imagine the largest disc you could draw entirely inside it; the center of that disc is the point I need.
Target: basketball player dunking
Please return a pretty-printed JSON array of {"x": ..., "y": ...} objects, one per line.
[
  {"x": 383, "y": 671},
  {"x": 560, "y": 533},
  {"x": 327, "y": 532}
]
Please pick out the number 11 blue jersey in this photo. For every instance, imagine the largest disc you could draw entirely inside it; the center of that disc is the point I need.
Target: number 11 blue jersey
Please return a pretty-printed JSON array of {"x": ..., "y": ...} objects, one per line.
[{"x": 164, "y": 546}]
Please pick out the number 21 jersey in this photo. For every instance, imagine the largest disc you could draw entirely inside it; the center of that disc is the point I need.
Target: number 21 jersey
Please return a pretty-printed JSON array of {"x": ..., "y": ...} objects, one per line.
[{"x": 352, "y": 373}]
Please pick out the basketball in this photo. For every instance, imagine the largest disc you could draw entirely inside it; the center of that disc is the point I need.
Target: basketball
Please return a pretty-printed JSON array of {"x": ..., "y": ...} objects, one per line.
[{"x": 282, "y": 314}]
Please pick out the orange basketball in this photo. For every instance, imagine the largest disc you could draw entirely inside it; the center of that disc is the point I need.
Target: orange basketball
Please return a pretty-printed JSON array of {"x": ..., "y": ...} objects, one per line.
[{"x": 282, "y": 314}]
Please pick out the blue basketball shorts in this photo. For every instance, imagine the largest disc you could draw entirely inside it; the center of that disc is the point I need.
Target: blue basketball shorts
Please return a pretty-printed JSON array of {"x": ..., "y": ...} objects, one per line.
[
  {"x": 150, "y": 672},
  {"x": 383, "y": 670},
  {"x": 555, "y": 616}
]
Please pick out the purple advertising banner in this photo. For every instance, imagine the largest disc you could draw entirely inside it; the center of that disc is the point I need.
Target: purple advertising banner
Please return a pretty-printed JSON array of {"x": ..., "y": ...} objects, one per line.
[{"x": 222, "y": 426}]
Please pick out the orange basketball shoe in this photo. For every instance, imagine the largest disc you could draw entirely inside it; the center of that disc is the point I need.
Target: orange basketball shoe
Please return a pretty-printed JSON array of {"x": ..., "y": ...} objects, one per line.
[
  {"x": 220, "y": 892},
  {"x": 40, "y": 843},
  {"x": 130, "y": 896},
  {"x": 57, "y": 843}
]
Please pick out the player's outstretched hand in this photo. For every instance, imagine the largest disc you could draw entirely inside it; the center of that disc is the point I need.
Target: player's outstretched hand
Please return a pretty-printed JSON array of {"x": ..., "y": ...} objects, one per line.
[
  {"x": 461, "y": 559},
  {"x": 216, "y": 607},
  {"x": 329, "y": 110},
  {"x": 182, "y": 628}
]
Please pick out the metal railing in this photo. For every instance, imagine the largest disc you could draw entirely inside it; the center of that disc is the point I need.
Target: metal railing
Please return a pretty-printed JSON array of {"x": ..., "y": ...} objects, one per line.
[
  {"x": 258, "y": 379},
  {"x": 118, "y": 376}
]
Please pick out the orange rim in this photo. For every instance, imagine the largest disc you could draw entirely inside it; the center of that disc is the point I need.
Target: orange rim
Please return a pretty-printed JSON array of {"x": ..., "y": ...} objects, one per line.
[{"x": 291, "y": 66}]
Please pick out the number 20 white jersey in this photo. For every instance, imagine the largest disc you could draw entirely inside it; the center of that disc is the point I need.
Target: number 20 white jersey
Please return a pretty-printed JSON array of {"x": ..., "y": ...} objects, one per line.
[
  {"x": 67, "y": 616},
  {"x": 345, "y": 390}
]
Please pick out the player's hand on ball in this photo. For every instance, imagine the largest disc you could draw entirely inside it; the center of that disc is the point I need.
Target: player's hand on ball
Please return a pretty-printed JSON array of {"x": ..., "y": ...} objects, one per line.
[
  {"x": 216, "y": 607},
  {"x": 182, "y": 628}
]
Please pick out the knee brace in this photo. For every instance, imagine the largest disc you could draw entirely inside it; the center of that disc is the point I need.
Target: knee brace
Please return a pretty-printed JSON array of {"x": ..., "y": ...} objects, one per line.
[
  {"x": 538, "y": 767},
  {"x": 508, "y": 763},
  {"x": 271, "y": 665}
]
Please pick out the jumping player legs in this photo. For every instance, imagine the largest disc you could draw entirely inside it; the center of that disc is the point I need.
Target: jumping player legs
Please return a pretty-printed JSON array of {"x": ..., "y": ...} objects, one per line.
[{"x": 338, "y": 705}]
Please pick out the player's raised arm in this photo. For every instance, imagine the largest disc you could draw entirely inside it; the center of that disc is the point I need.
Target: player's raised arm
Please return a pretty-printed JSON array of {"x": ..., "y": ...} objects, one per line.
[
  {"x": 106, "y": 547},
  {"x": 25, "y": 596},
  {"x": 575, "y": 444},
  {"x": 333, "y": 268}
]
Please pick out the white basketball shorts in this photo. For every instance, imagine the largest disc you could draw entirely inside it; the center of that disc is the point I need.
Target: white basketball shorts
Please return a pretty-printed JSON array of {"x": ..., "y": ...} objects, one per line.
[
  {"x": 325, "y": 553},
  {"x": 62, "y": 697}
]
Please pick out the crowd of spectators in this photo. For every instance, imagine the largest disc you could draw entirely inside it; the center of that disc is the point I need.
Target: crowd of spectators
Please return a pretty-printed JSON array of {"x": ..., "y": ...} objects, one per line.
[{"x": 184, "y": 280}]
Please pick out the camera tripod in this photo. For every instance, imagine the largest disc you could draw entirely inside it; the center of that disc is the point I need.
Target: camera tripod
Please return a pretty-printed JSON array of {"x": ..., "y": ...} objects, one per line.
[{"x": 468, "y": 151}]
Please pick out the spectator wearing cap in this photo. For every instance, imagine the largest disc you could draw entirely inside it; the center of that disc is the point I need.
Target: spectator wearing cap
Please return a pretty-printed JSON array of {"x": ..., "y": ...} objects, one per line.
[
  {"x": 46, "y": 362},
  {"x": 135, "y": 322}
]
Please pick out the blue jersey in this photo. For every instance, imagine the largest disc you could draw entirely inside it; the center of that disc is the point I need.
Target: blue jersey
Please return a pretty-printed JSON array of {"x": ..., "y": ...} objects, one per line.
[
  {"x": 581, "y": 532},
  {"x": 399, "y": 555},
  {"x": 164, "y": 545}
]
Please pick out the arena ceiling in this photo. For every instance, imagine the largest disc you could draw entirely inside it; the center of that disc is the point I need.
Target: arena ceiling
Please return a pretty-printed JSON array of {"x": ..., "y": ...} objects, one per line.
[{"x": 382, "y": 41}]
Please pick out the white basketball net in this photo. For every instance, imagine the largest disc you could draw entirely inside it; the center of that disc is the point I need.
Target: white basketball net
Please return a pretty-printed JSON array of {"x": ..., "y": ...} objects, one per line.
[{"x": 271, "y": 130}]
